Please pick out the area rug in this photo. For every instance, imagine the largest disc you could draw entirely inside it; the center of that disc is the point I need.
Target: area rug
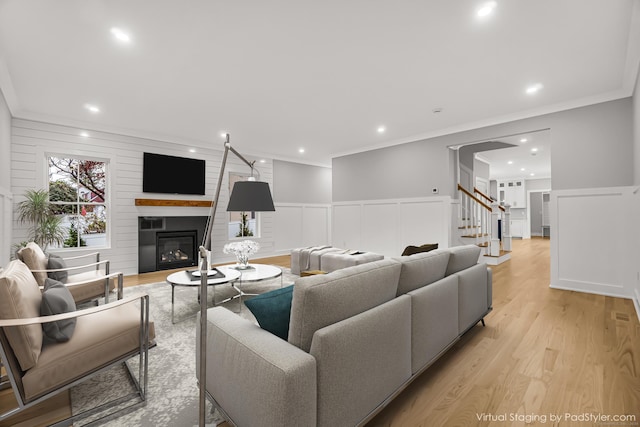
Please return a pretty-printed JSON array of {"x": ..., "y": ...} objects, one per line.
[{"x": 173, "y": 392}]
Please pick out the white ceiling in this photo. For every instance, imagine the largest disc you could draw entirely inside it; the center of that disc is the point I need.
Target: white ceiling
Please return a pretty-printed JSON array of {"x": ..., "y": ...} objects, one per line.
[
  {"x": 529, "y": 158},
  {"x": 323, "y": 75}
]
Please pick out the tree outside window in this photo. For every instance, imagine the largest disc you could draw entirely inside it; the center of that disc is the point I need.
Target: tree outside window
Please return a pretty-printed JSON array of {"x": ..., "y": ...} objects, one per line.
[
  {"x": 241, "y": 224},
  {"x": 77, "y": 190}
]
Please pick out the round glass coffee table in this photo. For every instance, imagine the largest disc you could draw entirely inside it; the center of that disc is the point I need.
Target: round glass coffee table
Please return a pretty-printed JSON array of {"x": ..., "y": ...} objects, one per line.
[
  {"x": 255, "y": 273},
  {"x": 192, "y": 279}
]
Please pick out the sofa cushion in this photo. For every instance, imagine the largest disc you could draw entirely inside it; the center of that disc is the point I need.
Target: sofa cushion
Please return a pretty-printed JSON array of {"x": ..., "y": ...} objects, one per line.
[
  {"x": 324, "y": 299},
  {"x": 272, "y": 310},
  {"x": 56, "y": 262},
  {"x": 412, "y": 250},
  {"x": 421, "y": 269},
  {"x": 57, "y": 299},
  {"x": 35, "y": 259},
  {"x": 461, "y": 257},
  {"x": 20, "y": 297}
]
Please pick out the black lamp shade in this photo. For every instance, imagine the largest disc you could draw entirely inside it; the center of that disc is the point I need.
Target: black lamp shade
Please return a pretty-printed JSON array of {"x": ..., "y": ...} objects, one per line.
[{"x": 250, "y": 196}]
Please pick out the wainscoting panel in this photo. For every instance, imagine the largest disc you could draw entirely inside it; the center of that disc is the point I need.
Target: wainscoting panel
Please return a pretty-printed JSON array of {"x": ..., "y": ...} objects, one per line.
[
  {"x": 388, "y": 226},
  {"x": 347, "y": 225},
  {"x": 301, "y": 225},
  {"x": 591, "y": 246}
]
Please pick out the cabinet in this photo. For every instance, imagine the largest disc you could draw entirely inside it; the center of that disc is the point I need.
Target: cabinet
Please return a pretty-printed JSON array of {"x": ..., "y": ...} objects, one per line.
[{"x": 512, "y": 193}]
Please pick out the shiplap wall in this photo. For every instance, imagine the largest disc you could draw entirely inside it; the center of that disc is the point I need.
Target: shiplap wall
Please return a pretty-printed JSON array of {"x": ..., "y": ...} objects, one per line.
[
  {"x": 388, "y": 226},
  {"x": 33, "y": 141},
  {"x": 6, "y": 207}
]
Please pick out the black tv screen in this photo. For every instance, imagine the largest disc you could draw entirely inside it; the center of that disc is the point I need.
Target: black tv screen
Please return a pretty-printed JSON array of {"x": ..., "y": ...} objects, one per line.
[{"x": 172, "y": 175}]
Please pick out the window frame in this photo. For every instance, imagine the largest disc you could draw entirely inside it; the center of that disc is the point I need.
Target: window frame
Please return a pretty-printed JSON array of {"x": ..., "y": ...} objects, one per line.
[{"x": 107, "y": 202}]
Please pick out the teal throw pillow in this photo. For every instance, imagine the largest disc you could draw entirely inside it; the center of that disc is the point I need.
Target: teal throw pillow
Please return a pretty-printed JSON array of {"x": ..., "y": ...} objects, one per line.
[
  {"x": 56, "y": 299},
  {"x": 272, "y": 310}
]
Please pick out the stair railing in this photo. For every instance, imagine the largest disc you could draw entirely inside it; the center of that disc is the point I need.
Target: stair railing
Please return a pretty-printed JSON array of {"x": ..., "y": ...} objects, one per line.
[
  {"x": 475, "y": 215},
  {"x": 504, "y": 214}
]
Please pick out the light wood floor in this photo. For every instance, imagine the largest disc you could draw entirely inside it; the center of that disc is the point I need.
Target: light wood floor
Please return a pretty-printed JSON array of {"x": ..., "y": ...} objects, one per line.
[{"x": 542, "y": 352}]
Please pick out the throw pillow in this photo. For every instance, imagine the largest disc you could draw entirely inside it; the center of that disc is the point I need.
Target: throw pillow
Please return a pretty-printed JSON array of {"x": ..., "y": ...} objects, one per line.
[
  {"x": 57, "y": 262},
  {"x": 272, "y": 310},
  {"x": 410, "y": 250},
  {"x": 57, "y": 299}
]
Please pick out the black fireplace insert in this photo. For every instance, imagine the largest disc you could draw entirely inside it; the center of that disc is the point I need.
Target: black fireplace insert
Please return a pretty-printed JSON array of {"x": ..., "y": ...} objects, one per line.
[{"x": 176, "y": 249}]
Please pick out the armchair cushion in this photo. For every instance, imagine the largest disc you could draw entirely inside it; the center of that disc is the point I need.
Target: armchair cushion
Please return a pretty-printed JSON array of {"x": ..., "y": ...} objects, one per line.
[
  {"x": 57, "y": 299},
  {"x": 57, "y": 262},
  {"x": 20, "y": 298},
  {"x": 35, "y": 259},
  {"x": 272, "y": 310}
]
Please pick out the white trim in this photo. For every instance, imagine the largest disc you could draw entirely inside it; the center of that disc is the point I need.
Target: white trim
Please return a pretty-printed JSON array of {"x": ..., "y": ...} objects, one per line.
[{"x": 636, "y": 302}]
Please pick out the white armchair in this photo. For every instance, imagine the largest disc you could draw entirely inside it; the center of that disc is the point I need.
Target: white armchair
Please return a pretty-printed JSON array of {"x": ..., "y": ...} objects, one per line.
[
  {"x": 85, "y": 281},
  {"x": 102, "y": 336}
]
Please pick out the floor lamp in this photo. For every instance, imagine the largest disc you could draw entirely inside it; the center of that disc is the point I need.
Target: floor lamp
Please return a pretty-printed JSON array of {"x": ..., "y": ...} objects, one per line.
[{"x": 246, "y": 196}]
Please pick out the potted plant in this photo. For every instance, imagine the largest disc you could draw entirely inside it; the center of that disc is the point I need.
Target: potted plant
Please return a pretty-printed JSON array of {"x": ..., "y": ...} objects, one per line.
[{"x": 46, "y": 227}]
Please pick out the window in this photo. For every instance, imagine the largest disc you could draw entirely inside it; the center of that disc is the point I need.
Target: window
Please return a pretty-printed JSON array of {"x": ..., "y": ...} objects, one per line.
[
  {"x": 241, "y": 224},
  {"x": 77, "y": 189}
]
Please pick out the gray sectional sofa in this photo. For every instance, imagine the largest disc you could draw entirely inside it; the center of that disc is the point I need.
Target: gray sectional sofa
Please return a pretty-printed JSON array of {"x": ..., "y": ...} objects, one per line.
[{"x": 357, "y": 337}]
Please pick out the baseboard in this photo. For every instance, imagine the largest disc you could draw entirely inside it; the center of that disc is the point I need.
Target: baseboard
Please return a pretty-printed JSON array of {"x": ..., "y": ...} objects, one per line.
[
  {"x": 588, "y": 291},
  {"x": 636, "y": 302}
]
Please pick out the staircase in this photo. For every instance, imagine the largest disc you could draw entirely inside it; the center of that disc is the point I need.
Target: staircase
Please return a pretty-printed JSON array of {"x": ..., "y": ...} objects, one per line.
[{"x": 478, "y": 217}]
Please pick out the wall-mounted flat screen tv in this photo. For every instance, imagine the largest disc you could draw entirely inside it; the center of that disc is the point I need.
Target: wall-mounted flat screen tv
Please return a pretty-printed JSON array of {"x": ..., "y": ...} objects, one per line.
[{"x": 172, "y": 175}]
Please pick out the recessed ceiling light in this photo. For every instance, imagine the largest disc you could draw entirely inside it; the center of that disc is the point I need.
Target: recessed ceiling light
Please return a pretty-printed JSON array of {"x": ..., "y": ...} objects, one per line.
[
  {"x": 192, "y": 150},
  {"x": 223, "y": 134},
  {"x": 534, "y": 150},
  {"x": 532, "y": 174},
  {"x": 121, "y": 35},
  {"x": 522, "y": 169},
  {"x": 533, "y": 89},
  {"x": 301, "y": 150},
  {"x": 381, "y": 129},
  {"x": 263, "y": 161},
  {"x": 84, "y": 134},
  {"x": 92, "y": 108},
  {"x": 486, "y": 9},
  {"x": 523, "y": 140},
  {"x": 510, "y": 162}
]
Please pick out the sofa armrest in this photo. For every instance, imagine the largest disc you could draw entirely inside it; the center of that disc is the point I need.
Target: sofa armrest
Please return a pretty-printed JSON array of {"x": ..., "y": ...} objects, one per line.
[
  {"x": 255, "y": 377},
  {"x": 489, "y": 288}
]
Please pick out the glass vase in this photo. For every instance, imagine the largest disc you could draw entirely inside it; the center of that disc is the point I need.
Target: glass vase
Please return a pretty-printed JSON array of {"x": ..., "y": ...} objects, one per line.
[{"x": 243, "y": 261}]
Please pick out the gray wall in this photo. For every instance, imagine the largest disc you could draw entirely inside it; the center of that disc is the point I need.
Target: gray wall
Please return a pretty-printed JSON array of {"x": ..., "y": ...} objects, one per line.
[
  {"x": 5, "y": 144},
  {"x": 537, "y": 184},
  {"x": 298, "y": 183},
  {"x": 592, "y": 147},
  {"x": 406, "y": 170}
]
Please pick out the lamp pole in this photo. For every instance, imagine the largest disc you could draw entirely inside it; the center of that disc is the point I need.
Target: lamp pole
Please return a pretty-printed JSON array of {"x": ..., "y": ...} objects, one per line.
[{"x": 205, "y": 250}]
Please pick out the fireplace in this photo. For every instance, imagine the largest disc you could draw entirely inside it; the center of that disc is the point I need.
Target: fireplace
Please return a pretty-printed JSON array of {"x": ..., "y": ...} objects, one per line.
[
  {"x": 176, "y": 249},
  {"x": 168, "y": 242}
]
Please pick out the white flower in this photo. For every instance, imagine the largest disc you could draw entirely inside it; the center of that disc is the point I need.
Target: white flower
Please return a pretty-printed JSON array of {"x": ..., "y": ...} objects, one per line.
[{"x": 244, "y": 247}]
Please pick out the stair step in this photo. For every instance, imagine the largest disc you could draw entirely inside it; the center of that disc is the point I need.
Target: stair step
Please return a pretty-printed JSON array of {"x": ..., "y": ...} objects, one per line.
[
  {"x": 468, "y": 226},
  {"x": 502, "y": 253},
  {"x": 483, "y": 245},
  {"x": 473, "y": 236}
]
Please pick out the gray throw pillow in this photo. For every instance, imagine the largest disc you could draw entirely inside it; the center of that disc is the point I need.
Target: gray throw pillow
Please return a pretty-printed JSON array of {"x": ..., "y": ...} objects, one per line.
[
  {"x": 57, "y": 299},
  {"x": 55, "y": 262}
]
